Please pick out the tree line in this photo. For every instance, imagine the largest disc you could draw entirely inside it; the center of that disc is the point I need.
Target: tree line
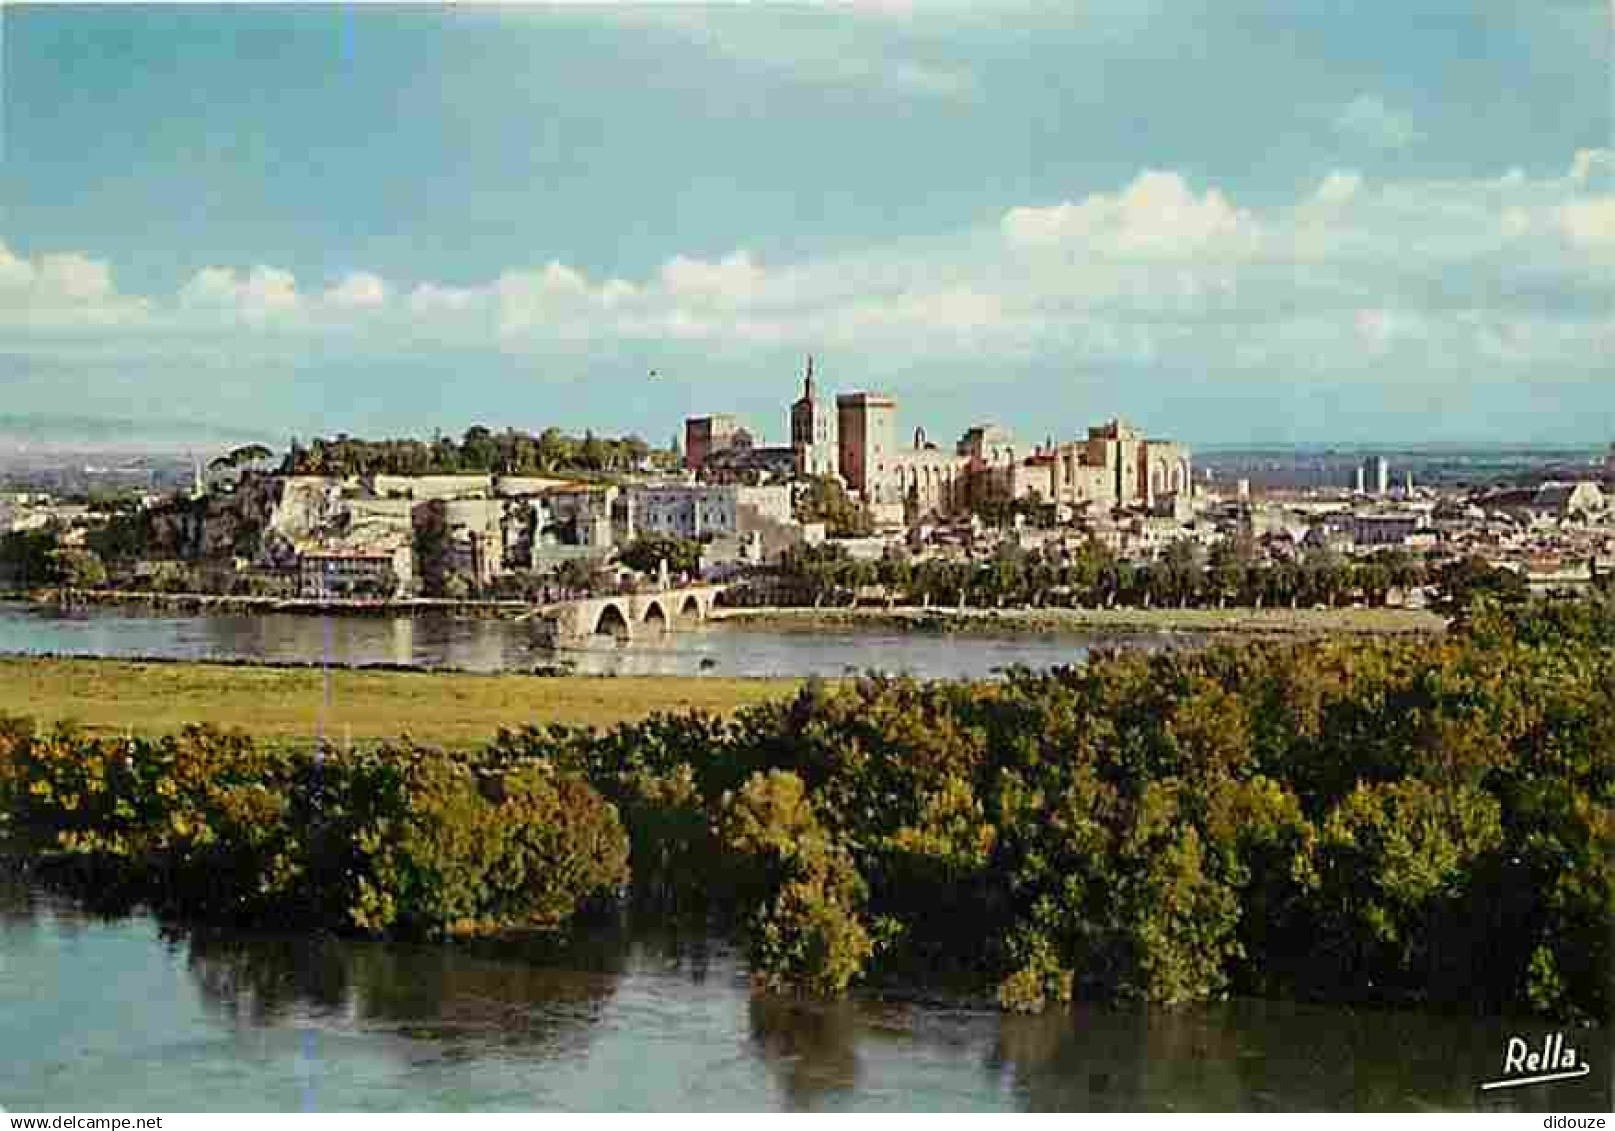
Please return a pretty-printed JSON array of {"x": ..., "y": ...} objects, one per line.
[
  {"x": 478, "y": 450},
  {"x": 1425, "y": 821},
  {"x": 1093, "y": 577}
]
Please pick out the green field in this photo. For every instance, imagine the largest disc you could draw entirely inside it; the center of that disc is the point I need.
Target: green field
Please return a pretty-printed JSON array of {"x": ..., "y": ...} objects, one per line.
[{"x": 451, "y": 709}]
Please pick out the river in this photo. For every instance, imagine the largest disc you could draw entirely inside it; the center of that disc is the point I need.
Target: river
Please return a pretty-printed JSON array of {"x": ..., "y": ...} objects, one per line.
[
  {"x": 438, "y": 641},
  {"x": 120, "y": 1014}
]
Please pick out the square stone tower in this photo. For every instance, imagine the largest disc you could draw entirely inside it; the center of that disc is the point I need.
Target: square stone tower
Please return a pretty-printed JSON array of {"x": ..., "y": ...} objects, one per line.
[{"x": 867, "y": 423}]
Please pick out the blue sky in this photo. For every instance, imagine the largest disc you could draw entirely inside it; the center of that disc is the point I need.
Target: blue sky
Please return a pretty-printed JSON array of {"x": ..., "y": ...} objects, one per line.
[{"x": 1229, "y": 221}]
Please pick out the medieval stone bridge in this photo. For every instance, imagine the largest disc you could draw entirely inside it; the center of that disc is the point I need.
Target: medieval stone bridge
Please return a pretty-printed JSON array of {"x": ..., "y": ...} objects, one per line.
[{"x": 627, "y": 616}]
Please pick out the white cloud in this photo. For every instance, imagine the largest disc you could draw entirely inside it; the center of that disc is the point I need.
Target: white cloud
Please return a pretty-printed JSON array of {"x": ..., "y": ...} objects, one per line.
[
  {"x": 429, "y": 299},
  {"x": 1590, "y": 165},
  {"x": 15, "y": 272},
  {"x": 733, "y": 280},
  {"x": 74, "y": 278},
  {"x": 1156, "y": 217},
  {"x": 1337, "y": 188},
  {"x": 256, "y": 295},
  {"x": 1590, "y": 224},
  {"x": 1367, "y": 120},
  {"x": 62, "y": 289},
  {"x": 1351, "y": 276},
  {"x": 358, "y": 290}
]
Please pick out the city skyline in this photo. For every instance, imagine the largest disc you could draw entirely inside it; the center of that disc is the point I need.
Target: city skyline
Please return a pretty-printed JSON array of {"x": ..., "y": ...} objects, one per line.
[{"x": 319, "y": 220}]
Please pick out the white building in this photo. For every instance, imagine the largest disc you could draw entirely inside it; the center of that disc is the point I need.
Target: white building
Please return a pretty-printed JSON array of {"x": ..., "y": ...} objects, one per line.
[
  {"x": 363, "y": 563},
  {"x": 699, "y": 510}
]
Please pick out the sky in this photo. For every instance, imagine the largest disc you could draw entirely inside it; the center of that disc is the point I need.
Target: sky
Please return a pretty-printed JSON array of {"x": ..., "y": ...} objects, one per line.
[{"x": 1227, "y": 221}]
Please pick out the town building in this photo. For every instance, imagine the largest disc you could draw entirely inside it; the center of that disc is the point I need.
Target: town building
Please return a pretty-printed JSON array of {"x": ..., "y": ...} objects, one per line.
[
  {"x": 423, "y": 488},
  {"x": 750, "y": 466},
  {"x": 706, "y": 510},
  {"x": 1548, "y": 500},
  {"x": 1374, "y": 530},
  {"x": 904, "y": 484},
  {"x": 1116, "y": 466},
  {"x": 1377, "y": 470},
  {"x": 704, "y": 435},
  {"x": 813, "y": 432},
  {"x": 365, "y": 561}
]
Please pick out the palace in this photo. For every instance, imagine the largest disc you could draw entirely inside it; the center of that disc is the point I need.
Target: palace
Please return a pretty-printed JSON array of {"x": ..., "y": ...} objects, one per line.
[{"x": 1115, "y": 466}]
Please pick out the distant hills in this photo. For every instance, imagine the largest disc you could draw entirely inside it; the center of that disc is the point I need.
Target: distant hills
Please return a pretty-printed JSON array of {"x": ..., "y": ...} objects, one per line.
[{"x": 72, "y": 431}]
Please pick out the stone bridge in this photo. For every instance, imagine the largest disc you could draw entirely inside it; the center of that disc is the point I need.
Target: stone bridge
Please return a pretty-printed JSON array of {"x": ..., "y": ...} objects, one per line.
[{"x": 631, "y": 615}]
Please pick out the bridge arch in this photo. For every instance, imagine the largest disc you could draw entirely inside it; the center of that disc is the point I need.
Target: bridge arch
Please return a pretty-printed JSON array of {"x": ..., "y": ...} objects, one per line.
[
  {"x": 610, "y": 621},
  {"x": 655, "y": 618},
  {"x": 691, "y": 609}
]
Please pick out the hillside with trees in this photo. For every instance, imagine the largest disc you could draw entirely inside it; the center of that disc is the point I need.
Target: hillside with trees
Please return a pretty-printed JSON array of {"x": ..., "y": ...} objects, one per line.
[{"x": 478, "y": 450}]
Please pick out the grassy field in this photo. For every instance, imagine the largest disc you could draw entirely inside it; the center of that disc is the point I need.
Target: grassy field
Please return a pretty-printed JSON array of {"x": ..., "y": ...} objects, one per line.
[{"x": 111, "y": 696}]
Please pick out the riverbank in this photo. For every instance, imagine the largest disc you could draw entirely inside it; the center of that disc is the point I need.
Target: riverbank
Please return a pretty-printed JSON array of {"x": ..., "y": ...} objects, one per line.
[
  {"x": 242, "y": 603},
  {"x": 1255, "y": 622},
  {"x": 1241, "y": 621},
  {"x": 284, "y": 702}
]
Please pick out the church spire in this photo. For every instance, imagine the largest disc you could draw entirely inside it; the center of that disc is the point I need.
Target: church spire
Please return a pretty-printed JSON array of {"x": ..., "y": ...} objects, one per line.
[{"x": 807, "y": 384}]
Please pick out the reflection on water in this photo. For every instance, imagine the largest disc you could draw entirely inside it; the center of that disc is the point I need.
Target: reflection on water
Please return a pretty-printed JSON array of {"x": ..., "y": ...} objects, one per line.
[
  {"x": 102, "y": 1014},
  {"x": 501, "y": 645}
]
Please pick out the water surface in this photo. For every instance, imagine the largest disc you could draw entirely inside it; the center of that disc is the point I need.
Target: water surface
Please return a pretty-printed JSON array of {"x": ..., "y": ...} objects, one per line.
[
  {"x": 434, "y": 640},
  {"x": 121, "y": 1015}
]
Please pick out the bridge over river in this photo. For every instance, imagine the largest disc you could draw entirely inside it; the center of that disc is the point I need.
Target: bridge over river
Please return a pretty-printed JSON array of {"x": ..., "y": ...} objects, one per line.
[
  {"x": 628, "y": 615},
  {"x": 621, "y": 615}
]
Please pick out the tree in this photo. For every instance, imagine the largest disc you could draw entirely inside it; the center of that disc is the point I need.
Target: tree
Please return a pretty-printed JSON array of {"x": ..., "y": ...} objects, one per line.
[
  {"x": 477, "y": 450},
  {"x": 27, "y": 556},
  {"x": 432, "y": 546},
  {"x": 1461, "y": 582},
  {"x": 240, "y": 457},
  {"x": 1230, "y": 564},
  {"x": 826, "y": 500},
  {"x": 78, "y": 568},
  {"x": 646, "y": 553},
  {"x": 577, "y": 574},
  {"x": 594, "y": 455},
  {"x": 1182, "y": 571},
  {"x": 897, "y": 572}
]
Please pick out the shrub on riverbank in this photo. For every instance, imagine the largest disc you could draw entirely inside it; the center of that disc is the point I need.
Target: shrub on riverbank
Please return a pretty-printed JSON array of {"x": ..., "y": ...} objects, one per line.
[{"x": 397, "y": 840}]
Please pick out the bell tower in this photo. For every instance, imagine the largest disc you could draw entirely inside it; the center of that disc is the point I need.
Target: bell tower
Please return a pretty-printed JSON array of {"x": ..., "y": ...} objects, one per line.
[{"x": 813, "y": 434}]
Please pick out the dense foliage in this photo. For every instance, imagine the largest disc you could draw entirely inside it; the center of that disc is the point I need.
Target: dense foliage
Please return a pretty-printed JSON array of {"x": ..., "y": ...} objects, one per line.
[
  {"x": 400, "y": 840},
  {"x": 647, "y": 552},
  {"x": 1395, "y": 821},
  {"x": 1184, "y": 576},
  {"x": 1411, "y": 821},
  {"x": 479, "y": 450},
  {"x": 824, "y": 499},
  {"x": 39, "y": 557}
]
